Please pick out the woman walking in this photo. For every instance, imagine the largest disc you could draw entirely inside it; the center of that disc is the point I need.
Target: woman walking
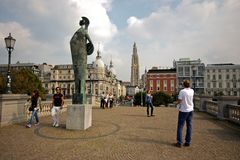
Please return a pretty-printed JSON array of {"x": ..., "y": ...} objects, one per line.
[
  {"x": 34, "y": 108},
  {"x": 148, "y": 101}
]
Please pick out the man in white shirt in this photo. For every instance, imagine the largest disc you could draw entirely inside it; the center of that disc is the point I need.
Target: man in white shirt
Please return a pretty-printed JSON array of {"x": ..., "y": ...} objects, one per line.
[{"x": 185, "y": 106}]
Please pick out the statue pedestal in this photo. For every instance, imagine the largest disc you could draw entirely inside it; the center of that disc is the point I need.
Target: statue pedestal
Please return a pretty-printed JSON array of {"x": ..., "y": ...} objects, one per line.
[{"x": 79, "y": 117}]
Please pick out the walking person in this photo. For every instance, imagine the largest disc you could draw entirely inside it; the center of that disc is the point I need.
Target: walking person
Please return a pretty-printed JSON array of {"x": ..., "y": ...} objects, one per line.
[
  {"x": 102, "y": 101},
  {"x": 34, "y": 108},
  {"x": 57, "y": 103},
  {"x": 111, "y": 99},
  {"x": 148, "y": 101},
  {"x": 185, "y": 106}
]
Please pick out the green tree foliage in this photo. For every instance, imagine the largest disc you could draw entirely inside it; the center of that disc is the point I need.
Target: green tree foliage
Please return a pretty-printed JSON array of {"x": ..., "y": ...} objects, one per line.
[
  {"x": 25, "y": 82},
  {"x": 2, "y": 84},
  {"x": 137, "y": 98}
]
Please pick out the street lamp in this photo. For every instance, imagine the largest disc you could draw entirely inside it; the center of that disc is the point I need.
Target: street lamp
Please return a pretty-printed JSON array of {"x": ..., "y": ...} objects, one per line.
[
  {"x": 10, "y": 41},
  {"x": 194, "y": 70}
]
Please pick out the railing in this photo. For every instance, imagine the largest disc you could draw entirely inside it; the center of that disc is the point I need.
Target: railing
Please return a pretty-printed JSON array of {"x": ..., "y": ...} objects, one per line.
[
  {"x": 234, "y": 113},
  {"x": 45, "y": 108},
  {"x": 212, "y": 107},
  {"x": 223, "y": 107}
]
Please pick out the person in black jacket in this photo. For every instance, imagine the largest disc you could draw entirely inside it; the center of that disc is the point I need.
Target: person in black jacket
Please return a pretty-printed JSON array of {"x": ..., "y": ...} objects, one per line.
[
  {"x": 57, "y": 104},
  {"x": 34, "y": 108}
]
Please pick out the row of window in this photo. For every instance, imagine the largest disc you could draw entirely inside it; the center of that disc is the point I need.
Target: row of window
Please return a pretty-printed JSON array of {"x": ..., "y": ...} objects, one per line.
[
  {"x": 227, "y": 76},
  {"x": 221, "y": 70},
  {"x": 222, "y": 85}
]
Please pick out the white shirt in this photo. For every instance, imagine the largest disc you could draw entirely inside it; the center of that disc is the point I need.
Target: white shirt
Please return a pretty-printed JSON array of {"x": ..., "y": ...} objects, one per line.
[{"x": 186, "y": 97}]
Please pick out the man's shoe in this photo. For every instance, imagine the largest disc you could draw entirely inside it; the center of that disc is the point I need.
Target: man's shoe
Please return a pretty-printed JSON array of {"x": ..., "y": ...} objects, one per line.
[
  {"x": 148, "y": 115},
  {"x": 57, "y": 125},
  {"x": 186, "y": 144},
  {"x": 37, "y": 124},
  {"x": 178, "y": 145},
  {"x": 152, "y": 115}
]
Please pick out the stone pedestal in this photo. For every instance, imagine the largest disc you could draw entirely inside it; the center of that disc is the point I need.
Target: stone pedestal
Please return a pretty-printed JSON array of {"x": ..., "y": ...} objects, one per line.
[
  {"x": 12, "y": 109},
  {"x": 79, "y": 117}
]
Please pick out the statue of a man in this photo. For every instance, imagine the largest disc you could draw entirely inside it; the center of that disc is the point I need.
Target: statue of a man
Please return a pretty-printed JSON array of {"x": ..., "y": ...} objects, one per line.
[{"x": 81, "y": 46}]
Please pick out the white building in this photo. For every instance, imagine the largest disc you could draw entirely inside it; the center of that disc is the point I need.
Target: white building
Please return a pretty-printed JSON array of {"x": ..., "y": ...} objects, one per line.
[
  {"x": 99, "y": 79},
  {"x": 222, "y": 79},
  {"x": 192, "y": 70}
]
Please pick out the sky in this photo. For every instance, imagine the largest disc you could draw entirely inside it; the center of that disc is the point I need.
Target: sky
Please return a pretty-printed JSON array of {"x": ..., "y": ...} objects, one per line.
[{"x": 163, "y": 30}]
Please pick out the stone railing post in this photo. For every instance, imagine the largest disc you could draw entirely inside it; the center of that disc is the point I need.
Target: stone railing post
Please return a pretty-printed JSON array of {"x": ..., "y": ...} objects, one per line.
[
  {"x": 202, "y": 103},
  {"x": 222, "y": 105}
]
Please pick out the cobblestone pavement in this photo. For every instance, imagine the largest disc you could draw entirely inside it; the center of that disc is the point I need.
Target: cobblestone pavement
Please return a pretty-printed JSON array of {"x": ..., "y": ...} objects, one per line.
[{"x": 122, "y": 133}]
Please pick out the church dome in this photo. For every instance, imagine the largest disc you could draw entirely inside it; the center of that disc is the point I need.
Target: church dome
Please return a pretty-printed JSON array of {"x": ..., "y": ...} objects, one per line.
[{"x": 98, "y": 62}]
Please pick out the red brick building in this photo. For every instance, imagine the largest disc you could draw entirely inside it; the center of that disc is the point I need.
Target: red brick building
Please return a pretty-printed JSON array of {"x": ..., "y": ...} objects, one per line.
[{"x": 163, "y": 80}]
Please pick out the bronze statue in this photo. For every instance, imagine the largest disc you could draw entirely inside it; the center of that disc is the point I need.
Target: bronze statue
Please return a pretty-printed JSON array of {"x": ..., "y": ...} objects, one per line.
[{"x": 81, "y": 46}]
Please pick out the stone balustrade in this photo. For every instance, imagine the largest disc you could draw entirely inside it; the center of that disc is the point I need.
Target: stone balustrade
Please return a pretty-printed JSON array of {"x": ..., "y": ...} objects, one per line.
[
  {"x": 223, "y": 107},
  {"x": 45, "y": 108},
  {"x": 234, "y": 113}
]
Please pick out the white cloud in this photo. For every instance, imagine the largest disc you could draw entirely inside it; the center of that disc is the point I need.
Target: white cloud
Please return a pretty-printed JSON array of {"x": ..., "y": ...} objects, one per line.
[
  {"x": 205, "y": 29},
  {"x": 192, "y": 29}
]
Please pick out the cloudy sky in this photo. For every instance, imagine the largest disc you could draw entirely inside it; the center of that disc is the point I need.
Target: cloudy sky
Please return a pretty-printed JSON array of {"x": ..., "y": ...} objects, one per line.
[{"x": 163, "y": 30}]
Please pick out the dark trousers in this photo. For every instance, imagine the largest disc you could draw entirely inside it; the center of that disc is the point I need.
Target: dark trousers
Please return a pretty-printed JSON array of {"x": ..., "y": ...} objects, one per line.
[
  {"x": 149, "y": 105},
  {"x": 102, "y": 103},
  {"x": 182, "y": 117},
  {"x": 111, "y": 103}
]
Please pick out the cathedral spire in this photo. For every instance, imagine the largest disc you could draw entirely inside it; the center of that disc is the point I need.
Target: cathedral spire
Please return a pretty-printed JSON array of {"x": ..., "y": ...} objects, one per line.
[{"x": 135, "y": 67}]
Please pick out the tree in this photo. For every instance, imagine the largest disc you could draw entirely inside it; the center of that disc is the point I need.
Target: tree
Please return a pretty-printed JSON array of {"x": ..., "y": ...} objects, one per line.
[
  {"x": 139, "y": 98},
  {"x": 25, "y": 82},
  {"x": 2, "y": 84}
]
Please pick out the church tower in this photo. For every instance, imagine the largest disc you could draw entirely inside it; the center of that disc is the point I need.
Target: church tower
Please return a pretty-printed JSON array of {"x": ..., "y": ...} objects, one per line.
[{"x": 135, "y": 67}]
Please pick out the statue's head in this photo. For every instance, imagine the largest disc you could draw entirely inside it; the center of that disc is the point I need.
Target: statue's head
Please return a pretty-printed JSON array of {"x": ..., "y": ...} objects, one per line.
[{"x": 84, "y": 21}]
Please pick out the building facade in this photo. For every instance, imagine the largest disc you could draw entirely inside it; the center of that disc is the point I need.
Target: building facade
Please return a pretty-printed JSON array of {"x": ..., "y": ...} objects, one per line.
[
  {"x": 163, "y": 80},
  {"x": 222, "y": 79},
  {"x": 99, "y": 79},
  {"x": 192, "y": 70},
  {"x": 135, "y": 67}
]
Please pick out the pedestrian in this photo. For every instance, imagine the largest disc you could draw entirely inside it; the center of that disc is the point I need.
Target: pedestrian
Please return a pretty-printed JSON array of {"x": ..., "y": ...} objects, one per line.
[
  {"x": 111, "y": 99},
  {"x": 185, "y": 106},
  {"x": 35, "y": 106},
  {"x": 102, "y": 101},
  {"x": 106, "y": 100},
  {"x": 57, "y": 104},
  {"x": 148, "y": 101}
]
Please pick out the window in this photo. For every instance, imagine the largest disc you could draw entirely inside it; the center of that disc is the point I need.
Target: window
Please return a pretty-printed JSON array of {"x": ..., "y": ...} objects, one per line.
[
  {"x": 234, "y": 77},
  {"x": 219, "y": 76},
  {"x": 214, "y": 77},
  {"x": 158, "y": 85},
  {"x": 172, "y": 85},
  {"x": 214, "y": 84},
  {"x": 180, "y": 71},
  {"x": 208, "y": 85},
  {"x": 220, "y": 85},
  {"x": 165, "y": 85},
  {"x": 187, "y": 71},
  {"x": 151, "y": 84},
  {"x": 228, "y": 85},
  {"x": 208, "y": 76},
  {"x": 227, "y": 76}
]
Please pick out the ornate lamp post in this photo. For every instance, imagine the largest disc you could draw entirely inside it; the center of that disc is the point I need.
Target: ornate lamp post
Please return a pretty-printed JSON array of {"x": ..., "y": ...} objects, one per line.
[{"x": 10, "y": 42}]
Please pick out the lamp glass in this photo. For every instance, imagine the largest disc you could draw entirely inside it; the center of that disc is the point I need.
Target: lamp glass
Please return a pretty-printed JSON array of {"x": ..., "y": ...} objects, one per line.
[{"x": 10, "y": 41}]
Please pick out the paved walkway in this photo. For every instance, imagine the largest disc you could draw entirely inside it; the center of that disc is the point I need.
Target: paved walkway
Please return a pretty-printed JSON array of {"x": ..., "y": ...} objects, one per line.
[{"x": 122, "y": 133}]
